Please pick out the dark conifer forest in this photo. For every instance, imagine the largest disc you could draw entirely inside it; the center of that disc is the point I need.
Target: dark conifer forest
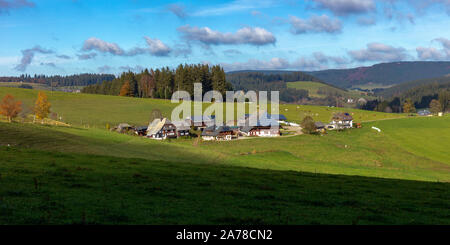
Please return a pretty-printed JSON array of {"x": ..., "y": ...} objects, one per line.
[{"x": 161, "y": 83}]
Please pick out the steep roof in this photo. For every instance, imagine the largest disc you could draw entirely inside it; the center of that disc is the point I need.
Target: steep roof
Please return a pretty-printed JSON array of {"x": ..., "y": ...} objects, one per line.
[
  {"x": 141, "y": 128},
  {"x": 265, "y": 115},
  {"x": 214, "y": 131},
  {"x": 124, "y": 125},
  {"x": 343, "y": 116},
  {"x": 202, "y": 118},
  {"x": 182, "y": 125},
  {"x": 264, "y": 120},
  {"x": 278, "y": 117},
  {"x": 319, "y": 124},
  {"x": 157, "y": 125}
]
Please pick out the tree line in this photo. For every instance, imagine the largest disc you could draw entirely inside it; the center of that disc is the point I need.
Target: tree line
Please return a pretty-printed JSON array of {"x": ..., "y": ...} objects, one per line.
[
  {"x": 252, "y": 80},
  {"x": 432, "y": 96},
  {"x": 161, "y": 83},
  {"x": 272, "y": 81},
  {"x": 60, "y": 81}
]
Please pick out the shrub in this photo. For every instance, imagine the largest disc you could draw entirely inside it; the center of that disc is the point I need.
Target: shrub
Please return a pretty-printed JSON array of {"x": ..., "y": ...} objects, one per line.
[{"x": 308, "y": 125}]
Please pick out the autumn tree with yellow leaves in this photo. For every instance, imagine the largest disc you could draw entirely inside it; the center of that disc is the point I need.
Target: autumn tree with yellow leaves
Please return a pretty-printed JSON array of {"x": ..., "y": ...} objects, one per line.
[
  {"x": 10, "y": 108},
  {"x": 42, "y": 106}
]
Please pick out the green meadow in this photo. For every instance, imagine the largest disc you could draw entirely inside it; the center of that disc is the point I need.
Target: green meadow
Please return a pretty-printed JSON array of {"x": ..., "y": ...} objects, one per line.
[
  {"x": 313, "y": 88},
  {"x": 96, "y": 111},
  {"x": 88, "y": 175}
]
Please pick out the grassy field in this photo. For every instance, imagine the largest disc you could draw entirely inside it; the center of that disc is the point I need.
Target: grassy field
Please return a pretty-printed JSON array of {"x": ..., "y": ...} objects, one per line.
[
  {"x": 80, "y": 175},
  {"x": 313, "y": 88},
  {"x": 38, "y": 86},
  {"x": 98, "y": 110},
  {"x": 41, "y": 187},
  {"x": 371, "y": 86},
  {"x": 364, "y": 152}
]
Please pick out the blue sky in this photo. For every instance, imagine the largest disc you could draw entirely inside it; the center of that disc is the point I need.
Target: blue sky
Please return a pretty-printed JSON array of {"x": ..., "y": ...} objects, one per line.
[{"x": 111, "y": 36}]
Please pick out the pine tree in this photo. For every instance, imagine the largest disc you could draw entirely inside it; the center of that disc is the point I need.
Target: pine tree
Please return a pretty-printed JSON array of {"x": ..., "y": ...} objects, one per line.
[{"x": 218, "y": 79}]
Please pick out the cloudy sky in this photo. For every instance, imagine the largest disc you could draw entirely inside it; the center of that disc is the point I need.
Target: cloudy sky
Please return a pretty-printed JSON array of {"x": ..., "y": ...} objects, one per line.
[{"x": 111, "y": 36}]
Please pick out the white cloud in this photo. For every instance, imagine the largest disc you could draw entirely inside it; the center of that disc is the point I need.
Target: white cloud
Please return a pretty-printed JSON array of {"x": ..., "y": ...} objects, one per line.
[
  {"x": 254, "y": 36},
  {"x": 99, "y": 45},
  {"x": 432, "y": 53},
  {"x": 347, "y": 7},
  {"x": 378, "y": 52},
  {"x": 315, "y": 24},
  {"x": 157, "y": 48}
]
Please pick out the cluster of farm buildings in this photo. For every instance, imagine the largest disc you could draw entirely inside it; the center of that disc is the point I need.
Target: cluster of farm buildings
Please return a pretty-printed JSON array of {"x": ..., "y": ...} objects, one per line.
[{"x": 253, "y": 125}]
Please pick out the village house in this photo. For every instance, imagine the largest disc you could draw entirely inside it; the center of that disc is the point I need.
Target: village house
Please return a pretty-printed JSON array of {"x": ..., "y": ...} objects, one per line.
[
  {"x": 341, "y": 121},
  {"x": 218, "y": 133},
  {"x": 280, "y": 118},
  {"x": 161, "y": 128},
  {"x": 201, "y": 122},
  {"x": 122, "y": 128},
  {"x": 424, "y": 112},
  {"x": 320, "y": 127},
  {"x": 141, "y": 131},
  {"x": 266, "y": 126},
  {"x": 182, "y": 128}
]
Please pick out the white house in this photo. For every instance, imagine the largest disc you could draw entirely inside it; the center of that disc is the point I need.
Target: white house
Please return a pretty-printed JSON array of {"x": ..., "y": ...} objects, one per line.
[{"x": 341, "y": 121}]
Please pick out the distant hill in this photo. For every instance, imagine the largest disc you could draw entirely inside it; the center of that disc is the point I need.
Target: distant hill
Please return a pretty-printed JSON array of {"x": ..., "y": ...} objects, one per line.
[
  {"x": 384, "y": 74},
  {"x": 271, "y": 81},
  {"x": 400, "y": 89},
  {"x": 266, "y": 72},
  {"x": 84, "y": 79},
  {"x": 322, "y": 90},
  {"x": 261, "y": 80}
]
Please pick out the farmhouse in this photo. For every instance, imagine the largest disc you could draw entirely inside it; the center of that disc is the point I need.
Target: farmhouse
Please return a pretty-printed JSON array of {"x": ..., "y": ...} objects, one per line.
[
  {"x": 341, "y": 121},
  {"x": 201, "y": 122},
  {"x": 266, "y": 126},
  {"x": 280, "y": 118},
  {"x": 424, "y": 112},
  {"x": 123, "y": 128},
  {"x": 218, "y": 133},
  {"x": 182, "y": 128},
  {"x": 161, "y": 128},
  {"x": 320, "y": 127},
  {"x": 141, "y": 131}
]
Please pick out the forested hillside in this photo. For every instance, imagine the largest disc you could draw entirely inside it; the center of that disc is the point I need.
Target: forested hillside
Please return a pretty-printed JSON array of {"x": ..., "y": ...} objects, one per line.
[
  {"x": 256, "y": 80},
  {"x": 422, "y": 95},
  {"x": 60, "y": 81},
  {"x": 271, "y": 81},
  {"x": 426, "y": 84},
  {"x": 384, "y": 74},
  {"x": 161, "y": 83},
  {"x": 418, "y": 97}
]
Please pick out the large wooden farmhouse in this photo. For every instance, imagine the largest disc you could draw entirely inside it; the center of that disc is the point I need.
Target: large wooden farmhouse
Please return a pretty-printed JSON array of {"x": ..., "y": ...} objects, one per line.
[
  {"x": 161, "y": 128},
  {"x": 263, "y": 125},
  {"x": 218, "y": 133},
  {"x": 182, "y": 128},
  {"x": 201, "y": 122}
]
